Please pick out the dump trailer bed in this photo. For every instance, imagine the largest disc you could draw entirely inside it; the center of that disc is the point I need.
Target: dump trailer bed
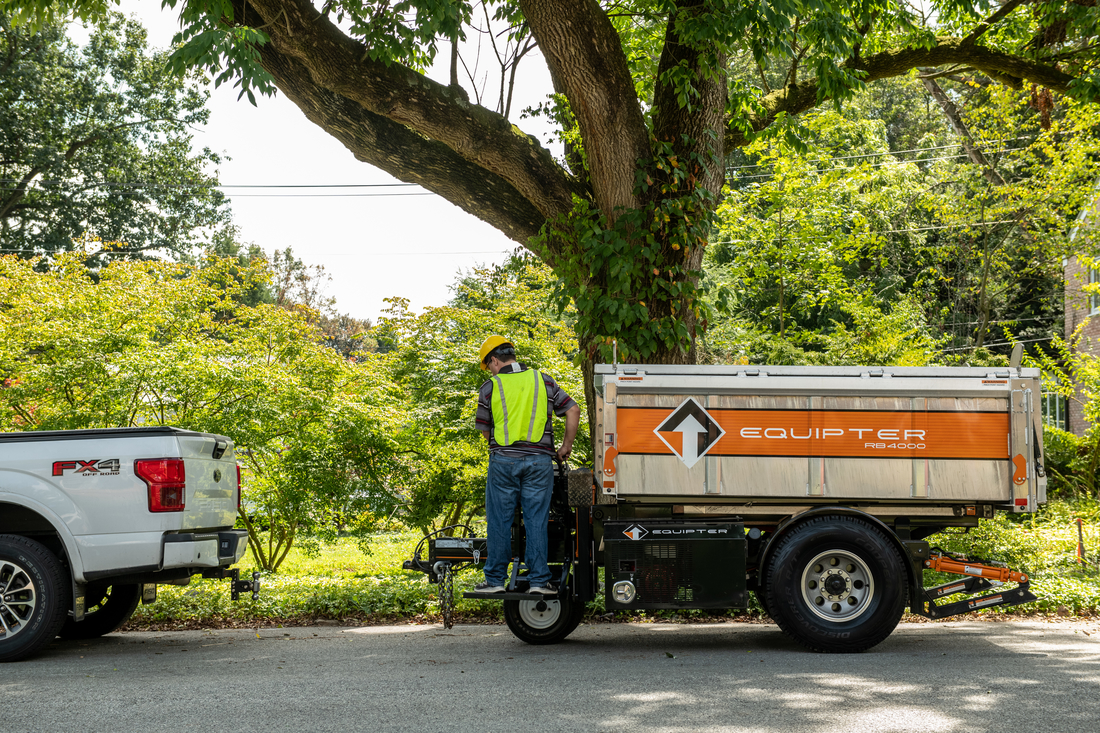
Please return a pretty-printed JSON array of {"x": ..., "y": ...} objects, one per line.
[{"x": 930, "y": 440}]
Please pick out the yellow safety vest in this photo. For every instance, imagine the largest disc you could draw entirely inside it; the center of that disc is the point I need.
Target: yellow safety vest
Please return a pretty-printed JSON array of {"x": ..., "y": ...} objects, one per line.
[{"x": 519, "y": 403}]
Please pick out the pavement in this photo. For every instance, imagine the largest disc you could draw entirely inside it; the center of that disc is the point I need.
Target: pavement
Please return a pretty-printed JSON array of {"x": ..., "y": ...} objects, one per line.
[{"x": 960, "y": 676}]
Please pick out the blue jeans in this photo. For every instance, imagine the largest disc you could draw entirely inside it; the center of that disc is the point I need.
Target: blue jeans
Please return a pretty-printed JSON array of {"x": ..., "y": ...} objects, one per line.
[{"x": 530, "y": 480}]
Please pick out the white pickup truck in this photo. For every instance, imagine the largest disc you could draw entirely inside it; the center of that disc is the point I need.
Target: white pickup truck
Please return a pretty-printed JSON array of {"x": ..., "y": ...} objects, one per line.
[{"x": 92, "y": 520}]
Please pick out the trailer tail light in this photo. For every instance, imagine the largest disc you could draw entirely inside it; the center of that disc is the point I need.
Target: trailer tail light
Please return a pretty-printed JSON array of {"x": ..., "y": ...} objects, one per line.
[
  {"x": 166, "y": 480},
  {"x": 238, "y": 488}
]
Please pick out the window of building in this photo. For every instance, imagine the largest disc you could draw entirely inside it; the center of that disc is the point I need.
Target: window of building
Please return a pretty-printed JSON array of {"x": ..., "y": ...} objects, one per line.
[{"x": 1054, "y": 410}]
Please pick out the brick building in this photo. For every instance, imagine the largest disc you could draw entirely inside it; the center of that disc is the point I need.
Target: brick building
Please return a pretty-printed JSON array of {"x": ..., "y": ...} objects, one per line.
[{"x": 1081, "y": 305}]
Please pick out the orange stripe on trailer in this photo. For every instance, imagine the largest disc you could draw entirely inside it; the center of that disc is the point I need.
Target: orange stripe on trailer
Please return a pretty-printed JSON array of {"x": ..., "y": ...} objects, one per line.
[{"x": 830, "y": 433}]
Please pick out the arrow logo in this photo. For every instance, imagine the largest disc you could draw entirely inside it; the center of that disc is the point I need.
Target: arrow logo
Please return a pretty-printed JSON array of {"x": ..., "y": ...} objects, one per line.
[
  {"x": 635, "y": 532},
  {"x": 698, "y": 431}
]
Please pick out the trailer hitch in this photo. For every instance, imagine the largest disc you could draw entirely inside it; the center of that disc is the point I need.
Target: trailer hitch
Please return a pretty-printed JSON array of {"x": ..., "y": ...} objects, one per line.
[{"x": 982, "y": 576}]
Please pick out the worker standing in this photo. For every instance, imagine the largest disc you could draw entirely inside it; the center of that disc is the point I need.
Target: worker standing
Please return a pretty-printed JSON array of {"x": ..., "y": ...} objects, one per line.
[{"x": 514, "y": 414}]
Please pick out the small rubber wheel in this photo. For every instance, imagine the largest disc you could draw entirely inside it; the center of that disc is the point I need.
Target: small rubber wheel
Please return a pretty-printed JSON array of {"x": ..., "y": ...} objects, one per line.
[
  {"x": 543, "y": 621},
  {"x": 34, "y": 597},
  {"x": 106, "y": 608},
  {"x": 836, "y": 584}
]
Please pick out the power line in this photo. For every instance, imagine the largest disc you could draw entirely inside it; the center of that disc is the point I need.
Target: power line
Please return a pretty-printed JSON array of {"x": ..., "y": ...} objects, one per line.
[
  {"x": 150, "y": 184},
  {"x": 876, "y": 165},
  {"x": 321, "y": 195},
  {"x": 884, "y": 231},
  {"x": 142, "y": 184},
  {"x": 1000, "y": 343},
  {"x": 331, "y": 254}
]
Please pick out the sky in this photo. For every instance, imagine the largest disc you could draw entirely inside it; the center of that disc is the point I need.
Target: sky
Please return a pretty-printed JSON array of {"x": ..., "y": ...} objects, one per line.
[{"x": 375, "y": 243}]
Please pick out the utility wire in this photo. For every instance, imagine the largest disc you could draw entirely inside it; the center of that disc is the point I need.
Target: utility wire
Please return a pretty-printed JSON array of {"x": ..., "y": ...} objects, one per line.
[
  {"x": 338, "y": 254},
  {"x": 870, "y": 233},
  {"x": 999, "y": 343},
  {"x": 152, "y": 185},
  {"x": 875, "y": 165}
]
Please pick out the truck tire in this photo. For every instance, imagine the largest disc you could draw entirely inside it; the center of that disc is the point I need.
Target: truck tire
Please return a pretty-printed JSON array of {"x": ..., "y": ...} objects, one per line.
[
  {"x": 836, "y": 584},
  {"x": 108, "y": 607},
  {"x": 557, "y": 620},
  {"x": 34, "y": 597}
]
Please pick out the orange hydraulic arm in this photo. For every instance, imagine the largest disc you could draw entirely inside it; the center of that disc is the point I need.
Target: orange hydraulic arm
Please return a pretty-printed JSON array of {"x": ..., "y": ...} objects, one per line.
[{"x": 949, "y": 565}]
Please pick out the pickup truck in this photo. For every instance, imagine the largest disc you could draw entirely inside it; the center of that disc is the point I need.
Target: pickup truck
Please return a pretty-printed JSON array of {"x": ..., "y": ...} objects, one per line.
[{"x": 92, "y": 520}]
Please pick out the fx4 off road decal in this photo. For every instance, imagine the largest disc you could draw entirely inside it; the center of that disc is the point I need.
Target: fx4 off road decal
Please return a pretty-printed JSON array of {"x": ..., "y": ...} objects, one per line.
[{"x": 94, "y": 467}]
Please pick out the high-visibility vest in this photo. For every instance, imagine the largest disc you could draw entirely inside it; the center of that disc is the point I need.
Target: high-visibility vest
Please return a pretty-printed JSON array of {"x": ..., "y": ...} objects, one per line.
[{"x": 519, "y": 403}]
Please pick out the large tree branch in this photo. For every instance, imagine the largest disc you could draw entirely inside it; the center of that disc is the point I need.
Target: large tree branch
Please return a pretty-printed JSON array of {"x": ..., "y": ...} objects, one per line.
[
  {"x": 951, "y": 112},
  {"x": 406, "y": 155},
  {"x": 334, "y": 62},
  {"x": 1011, "y": 70},
  {"x": 585, "y": 55}
]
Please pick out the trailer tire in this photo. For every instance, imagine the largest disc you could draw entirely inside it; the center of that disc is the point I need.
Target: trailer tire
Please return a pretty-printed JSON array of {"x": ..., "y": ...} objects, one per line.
[
  {"x": 550, "y": 626},
  {"x": 836, "y": 584},
  {"x": 108, "y": 608},
  {"x": 34, "y": 600}
]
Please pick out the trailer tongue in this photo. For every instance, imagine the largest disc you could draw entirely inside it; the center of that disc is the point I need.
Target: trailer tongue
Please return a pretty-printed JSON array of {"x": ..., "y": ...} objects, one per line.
[{"x": 813, "y": 488}]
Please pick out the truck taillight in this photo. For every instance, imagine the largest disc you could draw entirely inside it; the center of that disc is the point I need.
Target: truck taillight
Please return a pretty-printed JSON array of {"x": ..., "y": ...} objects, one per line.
[
  {"x": 238, "y": 488},
  {"x": 166, "y": 480}
]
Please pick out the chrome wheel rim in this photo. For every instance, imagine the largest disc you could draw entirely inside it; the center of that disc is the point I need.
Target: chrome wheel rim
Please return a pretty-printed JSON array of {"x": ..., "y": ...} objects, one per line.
[
  {"x": 18, "y": 599},
  {"x": 838, "y": 586},
  {"x": 530, "y": 614}
]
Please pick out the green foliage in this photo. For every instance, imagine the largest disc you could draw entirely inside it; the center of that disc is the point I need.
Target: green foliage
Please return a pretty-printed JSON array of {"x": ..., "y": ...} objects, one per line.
[
  {"x": 806, "y": 234},
  {"x": 159, "y": 344},
  {"x": 95, "y": 148},
  {"x": 633, "y": 278}
]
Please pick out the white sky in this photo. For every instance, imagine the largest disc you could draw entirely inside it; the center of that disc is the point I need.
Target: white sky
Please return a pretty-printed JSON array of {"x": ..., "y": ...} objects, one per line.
[{"x": 374, "y": 246}]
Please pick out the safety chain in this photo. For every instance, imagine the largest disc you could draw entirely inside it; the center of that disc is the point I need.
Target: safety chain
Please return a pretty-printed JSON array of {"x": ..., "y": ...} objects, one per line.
[{"x": 447, "y": 595}]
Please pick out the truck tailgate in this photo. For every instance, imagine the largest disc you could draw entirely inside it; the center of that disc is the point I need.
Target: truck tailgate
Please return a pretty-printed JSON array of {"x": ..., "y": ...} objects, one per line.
[{"x": 211, "y": 468}]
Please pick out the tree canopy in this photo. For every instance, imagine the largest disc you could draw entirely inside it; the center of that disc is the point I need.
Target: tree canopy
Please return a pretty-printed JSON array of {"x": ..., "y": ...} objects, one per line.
[
  {"x": 95, "y": 146},
  {"x": 652, "y": 98}
]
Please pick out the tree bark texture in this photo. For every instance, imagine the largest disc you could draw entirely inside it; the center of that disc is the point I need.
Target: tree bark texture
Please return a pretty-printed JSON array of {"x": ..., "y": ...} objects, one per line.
[{"x": 586, "y": 57}]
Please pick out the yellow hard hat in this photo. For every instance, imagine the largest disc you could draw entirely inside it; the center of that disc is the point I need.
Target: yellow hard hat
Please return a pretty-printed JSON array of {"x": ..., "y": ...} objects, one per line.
[{"x": 491, "y": 343}]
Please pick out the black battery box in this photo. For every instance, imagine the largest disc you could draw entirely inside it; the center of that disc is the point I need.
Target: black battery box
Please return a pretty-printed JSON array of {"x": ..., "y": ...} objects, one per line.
[{"x": 654, "y": 564}]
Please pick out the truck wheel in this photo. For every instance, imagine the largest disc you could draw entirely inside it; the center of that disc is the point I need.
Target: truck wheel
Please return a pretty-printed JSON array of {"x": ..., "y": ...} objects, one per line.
[
  {"x": 836, "y": 584},
  {"x": 107, "y": 608},
  {"x": 34, "y": 597},
  {"x": 543, "y": 621}
]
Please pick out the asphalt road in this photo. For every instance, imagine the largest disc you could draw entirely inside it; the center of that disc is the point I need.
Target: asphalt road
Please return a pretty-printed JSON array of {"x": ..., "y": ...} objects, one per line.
[{"x": 964, "y": 676}]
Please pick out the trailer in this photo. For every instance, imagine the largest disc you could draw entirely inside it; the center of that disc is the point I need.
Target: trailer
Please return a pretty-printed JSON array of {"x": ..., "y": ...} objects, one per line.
[{"x": 814, "y": 488}]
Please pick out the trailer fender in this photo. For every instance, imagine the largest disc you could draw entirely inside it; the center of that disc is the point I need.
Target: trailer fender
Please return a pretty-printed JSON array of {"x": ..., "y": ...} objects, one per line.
[{"x": 796, "y": 520}]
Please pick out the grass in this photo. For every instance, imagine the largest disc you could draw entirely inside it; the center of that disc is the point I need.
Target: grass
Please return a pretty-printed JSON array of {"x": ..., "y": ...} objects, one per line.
[{"x": 342, "y": 583}]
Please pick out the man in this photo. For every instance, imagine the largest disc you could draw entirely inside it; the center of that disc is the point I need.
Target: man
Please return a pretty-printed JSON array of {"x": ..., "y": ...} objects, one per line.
[{"x": 514, "y": 414}]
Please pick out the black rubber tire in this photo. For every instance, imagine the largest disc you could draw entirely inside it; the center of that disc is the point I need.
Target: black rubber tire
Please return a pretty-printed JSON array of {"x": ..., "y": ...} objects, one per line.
[
  {"x": 557, "y": 627},
  {"x": 36, "y": 597},
  {"x": 107, "y": 608},
  {"x": 873, "y": 559}
]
